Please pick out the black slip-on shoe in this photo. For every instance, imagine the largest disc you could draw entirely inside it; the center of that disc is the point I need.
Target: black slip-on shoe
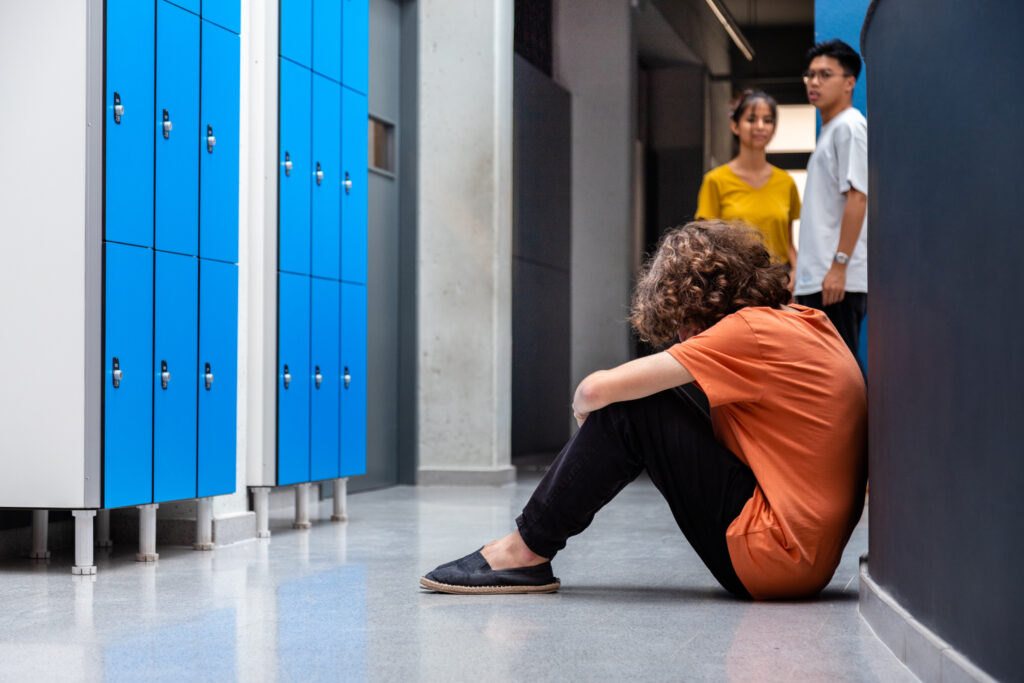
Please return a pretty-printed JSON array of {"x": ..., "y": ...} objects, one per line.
[{"x": 472, "y": 575}]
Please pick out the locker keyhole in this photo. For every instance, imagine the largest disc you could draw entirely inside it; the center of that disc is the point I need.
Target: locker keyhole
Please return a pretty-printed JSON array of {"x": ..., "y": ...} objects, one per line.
[
  {"x": 318, "y": 378},
  {"x": 167, "y": 125},
  {"x": 287, "y": 376},
  {"x": 208, "y": 377},
  {"x": 348, "y": 377},
  {"x": 116, "y": 374},
  {"x": 211, "y": 141},
  {"x": 165, "y": 375},
  {"x": 319, "y": 174},
  {"x": 118, "y": 108},
  {"x": 347, "y": 183},
  {"x": 287, "y": 164}
]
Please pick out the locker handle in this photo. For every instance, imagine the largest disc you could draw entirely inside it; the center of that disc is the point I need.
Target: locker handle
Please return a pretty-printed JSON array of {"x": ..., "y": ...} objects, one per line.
[
  {"x": 117, "y": 375},
  {"x": 165, "y": 375},
  {"x": 347, "y": 183},
  {"x": 348, "y": 377},
  {"x": 319, "y": 174},
  {"x": 167, "y": 125},
  {"x": 210, "y": 139},
  {"x": 208, "y": 376},
  {"x": 287, "y": 164},
  {"x": 287, "y": 376},
  {"x": 318, "y": 377},
  {"x": 118, "y": 108}
]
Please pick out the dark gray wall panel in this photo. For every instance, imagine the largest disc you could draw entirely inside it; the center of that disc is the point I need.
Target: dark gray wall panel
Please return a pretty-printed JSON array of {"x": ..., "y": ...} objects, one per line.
[
  {"x": 541, "y": 243},
  {"x": 946, "y": 404}
]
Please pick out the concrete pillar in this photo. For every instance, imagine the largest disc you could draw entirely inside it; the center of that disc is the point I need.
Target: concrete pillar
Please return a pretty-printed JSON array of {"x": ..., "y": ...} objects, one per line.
[
  {"x": 595, "y": 59},
  {"x": 464, "y": 260}
]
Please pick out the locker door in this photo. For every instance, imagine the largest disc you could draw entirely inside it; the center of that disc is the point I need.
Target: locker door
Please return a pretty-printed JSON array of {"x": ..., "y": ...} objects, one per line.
[
  {"x": 225, "y": 13},
  {"x": 175, "y": 318},
  {"x": 297, "y": 31},
  {"x": 217, "y": 376},
  {"x": 190, "y": 5},
  {"x": 293, "y": 378},
  {"x": 295, "y": 170},
  {"x": 355, "y": 44},
  {"x": 177, "y": 120},
  {"x": 327, "y": 38},
  {"x": 129, "y": 122},
  {"x": 353, "y": 196},
  {"x": 327, "y": 178},
  {"x": 128, "y": 377},
  {"x": 323, "y": 430},
  {"x": 218, "y": 145},
  {"x": 353, "y": 380}
]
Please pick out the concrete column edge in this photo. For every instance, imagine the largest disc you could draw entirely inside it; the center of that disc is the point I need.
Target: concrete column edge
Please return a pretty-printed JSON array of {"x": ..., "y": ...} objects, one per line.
[
  {"x": 928, "y": 656},
  {"x": 466, "y": 476}
]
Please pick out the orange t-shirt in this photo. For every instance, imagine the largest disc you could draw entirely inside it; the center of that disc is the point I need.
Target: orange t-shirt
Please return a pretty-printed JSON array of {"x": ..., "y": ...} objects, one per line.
[{"x": 788, "y": 398}]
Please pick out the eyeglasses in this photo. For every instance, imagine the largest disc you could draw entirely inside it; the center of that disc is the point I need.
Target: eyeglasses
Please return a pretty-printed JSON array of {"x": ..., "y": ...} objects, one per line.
[{"x": 822, "y": 75}]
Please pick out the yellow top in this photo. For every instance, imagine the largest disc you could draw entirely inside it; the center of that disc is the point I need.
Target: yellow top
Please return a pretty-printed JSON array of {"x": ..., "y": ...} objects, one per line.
[{"x": 770, "y": 208}]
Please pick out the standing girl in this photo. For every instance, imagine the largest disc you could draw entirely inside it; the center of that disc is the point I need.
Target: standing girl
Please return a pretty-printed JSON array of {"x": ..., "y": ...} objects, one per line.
[{"x": 750, "y": 189}]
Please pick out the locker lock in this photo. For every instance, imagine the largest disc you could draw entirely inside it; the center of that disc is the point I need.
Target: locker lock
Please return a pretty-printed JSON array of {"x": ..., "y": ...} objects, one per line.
[
  {"x": 208, "y": 377},
  {"x": 287, "y": 376},
  {"x": 116, "y": 374},
  {"x": 287, "y": 164},
  {"x": 165, "y": 375},
  {"x": 319, "y": 174},
  {"x": 167, "y": 125},
  {"x": 347, "y": 183},
  {"x": 348, "y": 377},
  {"x": 210, "y": 139},
  {"x": 318, "y": 377},
  {"x": 118, "y": 108}
]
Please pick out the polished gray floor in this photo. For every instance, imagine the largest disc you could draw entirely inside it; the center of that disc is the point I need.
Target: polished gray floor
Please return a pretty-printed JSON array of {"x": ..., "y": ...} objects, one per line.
[{"x": 341, "y": 602}]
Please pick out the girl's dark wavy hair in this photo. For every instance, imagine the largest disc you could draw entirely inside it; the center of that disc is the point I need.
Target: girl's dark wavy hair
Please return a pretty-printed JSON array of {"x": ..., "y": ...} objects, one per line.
[{"x": 702, "y": 272}]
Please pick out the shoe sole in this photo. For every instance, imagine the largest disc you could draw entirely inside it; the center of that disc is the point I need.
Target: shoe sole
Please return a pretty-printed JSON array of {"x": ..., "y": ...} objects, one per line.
[{"x": 487, "y": 590}]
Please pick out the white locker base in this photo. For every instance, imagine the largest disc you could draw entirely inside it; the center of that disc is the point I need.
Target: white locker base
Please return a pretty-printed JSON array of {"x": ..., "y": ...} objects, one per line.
[
  {"x": 261, "y": 506},
  {"x": 40, "y": 534},
  {"x": 83, "y": 542},
  {"x": 302, "y": 507},
  {"x": 147, "y": 533},
  {"x": 204, "y": 524},
  {"x": 340, "y": 500},
  {"x": 103, "y": 529}
]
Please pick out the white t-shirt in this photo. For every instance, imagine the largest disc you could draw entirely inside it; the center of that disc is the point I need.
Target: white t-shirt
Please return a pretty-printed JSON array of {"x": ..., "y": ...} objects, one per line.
[{"x": 839, "y": 162}]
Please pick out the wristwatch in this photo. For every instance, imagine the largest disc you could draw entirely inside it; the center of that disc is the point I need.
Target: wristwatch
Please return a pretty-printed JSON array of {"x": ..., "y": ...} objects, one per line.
[{"x": 841, "y": 258}]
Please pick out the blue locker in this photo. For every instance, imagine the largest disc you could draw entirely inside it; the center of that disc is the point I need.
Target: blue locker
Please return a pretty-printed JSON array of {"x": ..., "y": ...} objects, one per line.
[
  {"x": 297, "y": 31},
  {"x": 174, "y": 379},
  {"x": 190, "y": 5},
  {"x": 353, "y": 197},
  {"x": 327, "y": 38},
  {"x": 130, "y": 51},
  {"x": 296, "y": 170},
  {"x": 128, "y": 377},
  {"x": 353, "y": 380},
  {"x": 323, "y": 430},
  {"x": 217, "y": 377},
  {"x": 218, "y": 145},
  {"x": 293, "y": 293},
  {"x": 355, "y": 45},
  {"x": 224, "y": 13},
  {"x": 177, "y": 120},
  {"x": 327, "y": 178}
]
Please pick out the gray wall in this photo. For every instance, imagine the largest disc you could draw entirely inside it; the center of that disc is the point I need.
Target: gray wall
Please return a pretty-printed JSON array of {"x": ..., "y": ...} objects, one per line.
[
  {"x": 541, "y": 240},
  {"x": 946, "y": 403}
]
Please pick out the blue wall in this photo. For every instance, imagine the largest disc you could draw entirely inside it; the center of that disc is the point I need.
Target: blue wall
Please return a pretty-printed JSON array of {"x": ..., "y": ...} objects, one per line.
[{"x": 843, "y": 19}]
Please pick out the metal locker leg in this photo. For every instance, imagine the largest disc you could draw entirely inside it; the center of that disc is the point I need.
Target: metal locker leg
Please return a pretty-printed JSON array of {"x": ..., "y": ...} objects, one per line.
[
  {"x": 261, "y": 505},
  {"x": 147, "y": 533},
  {"x": 40, "y": 533},
  {"x": 103, "y": 529},
  {"x": 204, "y": 524},
  {"x": 83, "y": 542},
  {"x": 302, "y": 507},
  {"x": 340, "y": 500}
]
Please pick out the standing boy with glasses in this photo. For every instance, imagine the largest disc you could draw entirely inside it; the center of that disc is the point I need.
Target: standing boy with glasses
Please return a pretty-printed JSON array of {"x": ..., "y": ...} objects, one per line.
[{"x": 832, "y": 267}]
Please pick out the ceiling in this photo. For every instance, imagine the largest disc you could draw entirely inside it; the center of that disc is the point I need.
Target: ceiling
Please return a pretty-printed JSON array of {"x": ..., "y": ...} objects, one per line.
[{"x": 761, "y": 13}]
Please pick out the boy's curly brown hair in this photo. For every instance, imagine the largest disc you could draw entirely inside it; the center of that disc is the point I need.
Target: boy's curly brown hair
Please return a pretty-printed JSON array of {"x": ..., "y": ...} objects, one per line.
[{"x": 702, "y": 272}]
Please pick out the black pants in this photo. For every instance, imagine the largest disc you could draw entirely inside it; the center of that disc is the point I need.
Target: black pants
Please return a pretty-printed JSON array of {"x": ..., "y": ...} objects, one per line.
[
  {"x": 667, "y": 434},
  {"x": 846, "y": 315}
]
